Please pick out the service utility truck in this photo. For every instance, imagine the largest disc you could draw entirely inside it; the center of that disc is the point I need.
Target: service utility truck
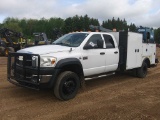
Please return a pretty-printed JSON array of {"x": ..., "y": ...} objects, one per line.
[{"x": 64, "y": 65}]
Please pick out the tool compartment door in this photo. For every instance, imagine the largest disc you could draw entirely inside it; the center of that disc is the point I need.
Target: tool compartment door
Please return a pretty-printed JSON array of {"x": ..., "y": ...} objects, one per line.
[
  {"x": 134, "y": 50},
  {"x": 149, "y": 51}
]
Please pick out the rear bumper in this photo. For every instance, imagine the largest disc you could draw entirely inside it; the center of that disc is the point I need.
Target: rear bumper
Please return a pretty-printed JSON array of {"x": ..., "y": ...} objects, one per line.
[{"x": 156, "y": 62}]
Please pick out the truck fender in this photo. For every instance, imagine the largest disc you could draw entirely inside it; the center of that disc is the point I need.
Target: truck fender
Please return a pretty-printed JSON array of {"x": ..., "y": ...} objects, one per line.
[
  {"x": 68, "y": 61},
  {"x": 146, "y": 59},
  {"x": 71, "y": 64}
]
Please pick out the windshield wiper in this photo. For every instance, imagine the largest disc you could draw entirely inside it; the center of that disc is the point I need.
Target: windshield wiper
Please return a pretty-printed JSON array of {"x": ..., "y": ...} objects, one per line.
[{"x": 63, "y": 44}]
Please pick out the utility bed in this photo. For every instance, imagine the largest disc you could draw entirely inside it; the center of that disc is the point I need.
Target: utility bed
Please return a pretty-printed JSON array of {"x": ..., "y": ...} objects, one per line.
[{"x": 133, "y": 51}]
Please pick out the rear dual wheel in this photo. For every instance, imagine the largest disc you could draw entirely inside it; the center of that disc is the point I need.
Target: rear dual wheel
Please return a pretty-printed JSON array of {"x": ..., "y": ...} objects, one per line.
[{"x": 142, "y": 71}]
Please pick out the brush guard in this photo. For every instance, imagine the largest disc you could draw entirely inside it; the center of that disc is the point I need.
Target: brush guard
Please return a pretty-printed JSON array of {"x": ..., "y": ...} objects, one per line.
[{"x": 24, "y": 70}]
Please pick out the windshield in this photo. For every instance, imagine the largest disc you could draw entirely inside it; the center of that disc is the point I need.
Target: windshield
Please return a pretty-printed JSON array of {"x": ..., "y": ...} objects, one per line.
[{"x": 71, "y": 40}]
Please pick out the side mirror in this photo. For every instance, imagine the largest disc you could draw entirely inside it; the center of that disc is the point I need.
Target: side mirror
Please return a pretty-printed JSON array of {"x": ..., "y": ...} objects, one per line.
[
  {"x": 88, "y": 46},
  {"x": 91, "y": 45}
]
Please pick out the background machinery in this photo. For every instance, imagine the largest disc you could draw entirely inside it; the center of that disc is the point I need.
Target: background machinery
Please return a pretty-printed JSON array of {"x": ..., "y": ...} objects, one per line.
[
  {"x": 39, "y": 39},
  {"x": 148, "y": 34},
  {"x": 9, "y": 41}
]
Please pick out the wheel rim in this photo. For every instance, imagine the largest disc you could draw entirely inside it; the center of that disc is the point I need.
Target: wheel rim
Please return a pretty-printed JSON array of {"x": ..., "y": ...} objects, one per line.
[{"x": 69, "y": 86}]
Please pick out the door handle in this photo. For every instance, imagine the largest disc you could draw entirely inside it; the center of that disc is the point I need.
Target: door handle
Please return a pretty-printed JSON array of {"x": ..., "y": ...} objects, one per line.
[
  {"x": 115, "y": 52},
  {"x": 102, "y": 53}
]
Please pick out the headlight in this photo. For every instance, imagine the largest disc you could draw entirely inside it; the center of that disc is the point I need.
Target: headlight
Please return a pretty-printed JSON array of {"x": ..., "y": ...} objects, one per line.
[{"x": 47, "y": 62}]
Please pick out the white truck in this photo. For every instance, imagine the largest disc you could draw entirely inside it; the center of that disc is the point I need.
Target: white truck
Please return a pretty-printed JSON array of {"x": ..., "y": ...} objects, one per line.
[{"x": 66, "y": 63}]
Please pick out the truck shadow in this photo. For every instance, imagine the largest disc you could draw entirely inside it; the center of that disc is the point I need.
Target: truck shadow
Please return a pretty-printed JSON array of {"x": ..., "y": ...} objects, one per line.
[{"x": 48, "y": 94}]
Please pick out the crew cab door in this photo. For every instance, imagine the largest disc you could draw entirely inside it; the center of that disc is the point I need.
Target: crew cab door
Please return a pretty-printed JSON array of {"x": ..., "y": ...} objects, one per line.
[
  {"x": 111, "y": 53},
  {"x": 93, "y": 58}
]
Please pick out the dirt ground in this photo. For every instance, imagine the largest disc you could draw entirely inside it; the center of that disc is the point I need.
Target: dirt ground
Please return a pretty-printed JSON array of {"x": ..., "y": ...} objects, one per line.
[{"x": 117, "y": 97}]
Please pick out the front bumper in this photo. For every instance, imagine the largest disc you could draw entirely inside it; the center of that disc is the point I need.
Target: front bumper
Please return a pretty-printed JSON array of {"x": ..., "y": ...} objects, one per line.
[{"x": 22, "y": 73}]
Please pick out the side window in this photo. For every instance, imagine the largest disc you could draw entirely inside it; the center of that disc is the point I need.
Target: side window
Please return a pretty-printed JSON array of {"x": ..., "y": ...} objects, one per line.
[
  {"x": 109, "y": 41},
  {"x": 93, "y": 41}
]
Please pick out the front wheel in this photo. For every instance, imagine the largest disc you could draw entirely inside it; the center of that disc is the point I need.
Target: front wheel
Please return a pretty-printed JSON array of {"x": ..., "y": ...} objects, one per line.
[
  {"x": 67, "y": 85},
  {"x": 142, "y": 71}
]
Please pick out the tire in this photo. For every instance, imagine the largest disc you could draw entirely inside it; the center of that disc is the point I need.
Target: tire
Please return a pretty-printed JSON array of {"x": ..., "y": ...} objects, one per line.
[
  {"x": 2, "y": 49},
  {"x": 7, "y": 50},
  {"x": 142, "y": 71},
  {"x": 67, "y": 85}
]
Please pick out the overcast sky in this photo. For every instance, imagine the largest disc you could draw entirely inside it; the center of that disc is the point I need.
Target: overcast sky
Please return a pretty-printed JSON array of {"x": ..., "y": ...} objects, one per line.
[{"x": 140, "y": 12}]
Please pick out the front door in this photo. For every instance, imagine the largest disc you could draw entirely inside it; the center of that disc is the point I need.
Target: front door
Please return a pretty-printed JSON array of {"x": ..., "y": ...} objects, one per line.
[{"x": 93, "y": 59}]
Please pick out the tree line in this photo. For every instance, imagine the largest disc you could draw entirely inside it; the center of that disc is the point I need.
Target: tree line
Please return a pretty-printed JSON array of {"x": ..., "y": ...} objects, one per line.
[{"x": 54, "y": 27}]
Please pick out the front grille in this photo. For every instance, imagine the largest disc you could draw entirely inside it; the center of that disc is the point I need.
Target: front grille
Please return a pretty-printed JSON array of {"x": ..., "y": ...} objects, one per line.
[
  {"x": 24, "y": 60},
  {"x": 21, "y": 68}
]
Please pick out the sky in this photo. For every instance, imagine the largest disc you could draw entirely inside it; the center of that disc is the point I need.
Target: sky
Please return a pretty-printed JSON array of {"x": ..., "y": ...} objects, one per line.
[{"x": 139, "y": 12}]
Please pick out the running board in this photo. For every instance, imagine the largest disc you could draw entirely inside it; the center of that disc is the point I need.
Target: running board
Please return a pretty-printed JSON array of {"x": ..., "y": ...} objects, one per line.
[{"x": 100, "y": 76}]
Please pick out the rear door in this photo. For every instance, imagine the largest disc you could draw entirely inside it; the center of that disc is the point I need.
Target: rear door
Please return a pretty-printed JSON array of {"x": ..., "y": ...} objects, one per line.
[{"x": 111, "y": 53}]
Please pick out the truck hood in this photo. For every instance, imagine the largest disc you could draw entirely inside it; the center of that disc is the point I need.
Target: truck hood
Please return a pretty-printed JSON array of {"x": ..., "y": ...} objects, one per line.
[{"x": 44, "y": 49}]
